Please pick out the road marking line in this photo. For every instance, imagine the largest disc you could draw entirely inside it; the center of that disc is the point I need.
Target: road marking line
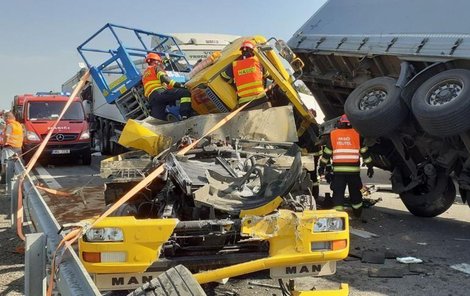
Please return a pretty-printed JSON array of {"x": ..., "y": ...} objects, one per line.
[{"x": 47, "y": 177}]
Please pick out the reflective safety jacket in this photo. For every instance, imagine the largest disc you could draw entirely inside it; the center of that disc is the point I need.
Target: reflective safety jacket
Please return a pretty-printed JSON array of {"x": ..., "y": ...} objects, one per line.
[
  {"x": 344, "y": 150},
  {"x": 248, "y": 77},
  {"x": 153, "y": 80},
  {"x": 15, "y": 138}
]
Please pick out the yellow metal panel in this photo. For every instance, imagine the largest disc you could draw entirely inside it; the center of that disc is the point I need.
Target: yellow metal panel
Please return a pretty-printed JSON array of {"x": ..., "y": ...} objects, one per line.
[
  {"x": 264, "y": 209},
  {"x": 137, "y": 136},
  {"x": 290, "y": 236},
  {"x": 143, "y": 239}
]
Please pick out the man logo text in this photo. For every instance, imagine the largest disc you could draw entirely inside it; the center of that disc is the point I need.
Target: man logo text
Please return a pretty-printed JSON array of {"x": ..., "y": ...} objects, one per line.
[{"x": 303, "y": 269}]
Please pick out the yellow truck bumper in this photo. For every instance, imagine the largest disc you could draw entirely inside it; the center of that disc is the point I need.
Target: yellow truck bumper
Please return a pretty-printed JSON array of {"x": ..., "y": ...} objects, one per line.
[{"x": 294, "y": 239}]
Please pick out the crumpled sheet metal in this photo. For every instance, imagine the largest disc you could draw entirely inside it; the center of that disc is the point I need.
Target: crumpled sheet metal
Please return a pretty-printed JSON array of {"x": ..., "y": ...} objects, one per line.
[
  {"x": 283, "y": 228},
  {"x": 273, "y": 124},
  {"x": 232, "y": 195}
]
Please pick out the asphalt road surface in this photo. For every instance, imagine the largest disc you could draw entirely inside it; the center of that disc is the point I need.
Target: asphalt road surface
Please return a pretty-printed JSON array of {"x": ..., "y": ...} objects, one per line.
[{"x": 439, "y": 242}]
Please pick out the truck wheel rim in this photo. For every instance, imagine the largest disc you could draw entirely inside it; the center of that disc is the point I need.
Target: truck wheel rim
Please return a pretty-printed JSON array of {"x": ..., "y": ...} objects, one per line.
[
  {"x": 372, "y": 99},
  {"x": 445, "y": 92}
]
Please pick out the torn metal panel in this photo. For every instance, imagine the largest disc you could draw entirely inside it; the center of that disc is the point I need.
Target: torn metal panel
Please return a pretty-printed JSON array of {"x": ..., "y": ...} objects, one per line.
[
  {"x": 189, "y": 174},
  {"x": 257, "y": 187},
  {"x": 273, "y": 124},
  {"x": 127, "y": 166}
]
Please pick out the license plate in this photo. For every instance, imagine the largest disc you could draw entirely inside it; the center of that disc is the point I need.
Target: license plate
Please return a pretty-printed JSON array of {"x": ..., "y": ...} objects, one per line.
[
  {"x": 61, "y": 151},
  {"x": 306, "y": 269},
  {"x": 123, "y": 281}
]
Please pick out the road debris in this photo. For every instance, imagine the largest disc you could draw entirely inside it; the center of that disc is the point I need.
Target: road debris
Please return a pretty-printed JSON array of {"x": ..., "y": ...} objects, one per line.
[
  {"x": 373, "y": 256},
  {"x": 419, "y": 269},
  {"x": 362, "y": 233},
  {"x": 463, "y": 267},
  {"x": 386, "y": 272},
  {"x": 255, "y": 283},
  {"x": 409, "y": 260},
  {"x": 462, "y": 239}
]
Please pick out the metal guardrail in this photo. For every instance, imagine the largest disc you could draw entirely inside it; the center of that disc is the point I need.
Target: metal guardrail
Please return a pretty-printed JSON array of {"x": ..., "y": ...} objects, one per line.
[{"x": 71, "y": 277}]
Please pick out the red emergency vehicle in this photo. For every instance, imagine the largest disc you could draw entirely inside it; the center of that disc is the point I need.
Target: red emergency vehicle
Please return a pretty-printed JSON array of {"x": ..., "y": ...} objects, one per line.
[{"x": 71, "y": 138}]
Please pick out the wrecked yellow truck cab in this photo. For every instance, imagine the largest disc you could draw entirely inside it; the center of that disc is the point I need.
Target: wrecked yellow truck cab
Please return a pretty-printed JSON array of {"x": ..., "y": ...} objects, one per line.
[
  {"x": 123, "y": 252},
  {"x": 239, "y": 201}
]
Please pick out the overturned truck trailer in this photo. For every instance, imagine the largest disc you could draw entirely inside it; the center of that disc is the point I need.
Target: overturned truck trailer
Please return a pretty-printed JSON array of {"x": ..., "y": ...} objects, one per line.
[{"x": 401, "y": 71}]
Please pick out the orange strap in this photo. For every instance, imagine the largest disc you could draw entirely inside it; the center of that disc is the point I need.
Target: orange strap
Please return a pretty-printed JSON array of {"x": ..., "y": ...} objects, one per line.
[
  {"x": 54, "y": 191},
  {"x": 32, "y": 162}
]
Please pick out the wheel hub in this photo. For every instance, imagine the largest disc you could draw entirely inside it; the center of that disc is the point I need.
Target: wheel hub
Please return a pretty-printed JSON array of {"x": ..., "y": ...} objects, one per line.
[
  {"x": 372, "y": 99},
  {"x": 445, "y": 92}
]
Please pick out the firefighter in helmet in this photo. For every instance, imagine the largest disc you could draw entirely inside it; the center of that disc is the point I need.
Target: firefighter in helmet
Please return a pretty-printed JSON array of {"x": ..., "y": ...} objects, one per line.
[
  {"x": 248, "y": 76},
  {"x": 344, "y": 150},
  {"x": 162, "y": 91}
]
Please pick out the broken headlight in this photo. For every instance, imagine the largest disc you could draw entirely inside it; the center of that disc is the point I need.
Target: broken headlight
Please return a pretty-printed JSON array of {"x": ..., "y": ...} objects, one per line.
[
  {"x": 104, "y": 235},
  {"x": 328, "y": 224}
]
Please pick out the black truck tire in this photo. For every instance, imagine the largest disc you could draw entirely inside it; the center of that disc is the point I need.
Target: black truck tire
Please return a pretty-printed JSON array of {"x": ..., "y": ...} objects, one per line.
[
  {"x": 431, "y": 202},
  {"x": 441, "y": 103},
  {"x": 375, "y": 107},
  {"x": 176, "y": 281},
  {"x": 102, "y": 135}
]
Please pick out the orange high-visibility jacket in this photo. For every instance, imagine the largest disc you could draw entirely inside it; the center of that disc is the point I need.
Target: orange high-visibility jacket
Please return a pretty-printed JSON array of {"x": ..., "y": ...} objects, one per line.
[
  {"x": 153, "y": 80},
  {"x": 346, "y": 145},
  {"x": 15, "y": 139},
  {"x": 248, "y": 76}
]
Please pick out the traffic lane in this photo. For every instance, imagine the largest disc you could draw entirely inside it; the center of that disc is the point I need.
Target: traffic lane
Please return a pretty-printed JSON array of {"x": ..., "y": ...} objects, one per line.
[
  {"x": 69, "y": 173},
  {"x": 80, "y": 189}
]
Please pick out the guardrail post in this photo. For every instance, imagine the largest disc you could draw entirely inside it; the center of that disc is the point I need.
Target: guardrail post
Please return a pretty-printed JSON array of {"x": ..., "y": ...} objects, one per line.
[
  {"x": 12, "y": 189},
  {"x": 10, "y": 173},
  {"x": 35, "y": 264}
]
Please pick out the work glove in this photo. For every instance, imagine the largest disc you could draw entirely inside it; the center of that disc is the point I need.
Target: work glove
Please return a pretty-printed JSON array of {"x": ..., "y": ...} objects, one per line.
[
  {"x": 370, "y": 172},
  {"x": 321, "y": 170}
]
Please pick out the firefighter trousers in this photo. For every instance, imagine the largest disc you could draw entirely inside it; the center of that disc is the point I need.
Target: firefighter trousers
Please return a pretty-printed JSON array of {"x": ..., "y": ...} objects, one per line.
[
  {"x": 338, "y": 185},
  {"x": 159, "y": 101}
]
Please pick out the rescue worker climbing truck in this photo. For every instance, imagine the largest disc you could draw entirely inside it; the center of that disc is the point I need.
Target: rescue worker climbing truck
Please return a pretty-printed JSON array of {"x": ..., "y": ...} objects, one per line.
[
  {"x": 404, "y": 84},
  {"x": 70, "y": 140}
]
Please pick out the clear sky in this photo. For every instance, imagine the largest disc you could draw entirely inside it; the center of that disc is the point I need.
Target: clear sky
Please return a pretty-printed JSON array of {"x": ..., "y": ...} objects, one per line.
[{"x": 38, "y": 38}]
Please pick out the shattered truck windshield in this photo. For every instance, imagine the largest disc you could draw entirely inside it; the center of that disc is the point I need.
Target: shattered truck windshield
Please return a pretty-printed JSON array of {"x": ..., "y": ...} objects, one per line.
[{"x": 52, "y": 110}]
